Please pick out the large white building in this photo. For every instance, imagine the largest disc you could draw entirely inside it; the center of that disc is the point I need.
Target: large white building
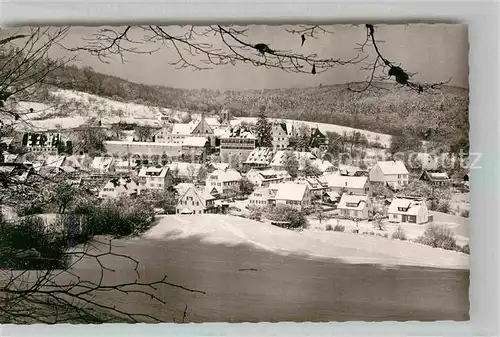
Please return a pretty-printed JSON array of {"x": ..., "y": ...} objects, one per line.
[
  {"x": 280, "y": 137},
  {"x": 355, "y": 206},
  {"x": 236, "y": 142},
  {"x": 154, "y": 178},
  {"x": 290, "y": 194},
  {"x": 195, "y": 201},
  {"x": 354, "y": 185},
  {"x": 390, "y": 172},
  {"x": 223, "y": 181}
]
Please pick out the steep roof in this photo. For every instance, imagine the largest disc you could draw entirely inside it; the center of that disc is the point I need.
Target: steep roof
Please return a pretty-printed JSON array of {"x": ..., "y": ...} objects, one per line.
[
  {"x": 226, "y": 175},
  {"x": 260, "y": 155},
  {"x": 392, "y": 167},
  {"x": 100, "y": 163},
  {"x": 289, "y": 191},
  {"x": 182, "y": 128},
  {"x": 183, "y": 187}
]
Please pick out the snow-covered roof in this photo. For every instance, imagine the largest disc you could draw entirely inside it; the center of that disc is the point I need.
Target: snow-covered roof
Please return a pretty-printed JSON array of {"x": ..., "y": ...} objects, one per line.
[
  {"x": 54, "y": 161},
  {"x": 182, "y": 128},
  {"x": 183, "y": 187},
  {"x": 225, "y": 175},
  {"x": 194, "y": 141},
  {"x": 322, "y": 165},
  {"x": 152, "y": 171},
  {"x": 392, "y": 167},
  {"x": 100, "y": 163},
  {"x": 220, "y": 166},
  {"x": 437, "y": 175},
  {"x": 238, "y": 132},
  {"x": 336, "y": 180},
  {"x": 260, "y": 155},
  {"x": 411, "y": 206},
  {"x": 212, "y": 121},
  {"x": 121, "y": 163},
  {"x": 263, "y": 192},
  {"x": 289, "y": 191},
  {"x": 122, "y": 186},
  {"x": 353, "y": 201}
]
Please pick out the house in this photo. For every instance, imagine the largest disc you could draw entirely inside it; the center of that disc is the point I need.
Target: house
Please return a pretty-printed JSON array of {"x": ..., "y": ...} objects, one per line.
[
  {"x": 43, "y": 142},
  {"x": 318, "y": 140},
  {"x": 194, "y": 201},
  {"x": 392, "y": 173},
  {"x": 331, "y": 197},
  {"x": 116, "y": 188},
  {"x": 324, "y": 166},
  {"x": 356, "y": 206},
  {"x": 291, "y": 194},
  {"x": 354, "y": 185},
  {"x": 216, "y": 166},
  {"x": 317, "y": 185},
  {"x": 194, "y": 147},
  {"x": 435, "y": 177},
  {"x": 237, "y": 142},
  {"x": 196, "y": 128},
  {"x": 154, "y": 178},
  {"x": 52, "y": 165},
  {"x": 260, "y": 197},
  {"x": 278, "y": 160},
  {"x": 280, "y": 137},
  {"x": 103, "y": 165},
  {"x": 263, "y": 178},
  {"x": 259, "y": 157},
  {"x": 408, "y": 210},
  {"x": 223, "y": 181}
]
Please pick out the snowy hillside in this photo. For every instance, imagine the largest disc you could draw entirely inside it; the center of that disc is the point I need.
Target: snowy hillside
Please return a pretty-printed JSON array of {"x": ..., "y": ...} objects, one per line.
[{"x": 73, "y": 108}]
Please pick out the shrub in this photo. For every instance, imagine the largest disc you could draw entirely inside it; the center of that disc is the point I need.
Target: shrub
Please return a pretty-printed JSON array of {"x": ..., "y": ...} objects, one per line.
[
  {"x": 465, "y": 213},
  {"x": 372, "y": 233},
  {"x": 287, "y": 213},
  {"x": 27, "y": 244},
  {"x": 385, "y": 235},
  {"x": 339, "y": 228},
  {"x": 465, "y": 249},
  {"x": 444, "y": 207},
  {"x": 355, "y": 231},
  {"x": 438, "y": 237},
  {"x": 399, "y": 234},
  {"x": 255, "y": 214},
  {"x": 329, "y": 227}
]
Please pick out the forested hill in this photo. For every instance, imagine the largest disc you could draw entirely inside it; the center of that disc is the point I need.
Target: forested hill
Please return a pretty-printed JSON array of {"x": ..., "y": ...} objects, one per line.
[{"x": 392, "y": 111}]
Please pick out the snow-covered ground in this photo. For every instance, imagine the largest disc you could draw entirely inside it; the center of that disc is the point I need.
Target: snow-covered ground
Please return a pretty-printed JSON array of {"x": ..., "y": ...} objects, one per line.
[{"x": 230, "y": 230}]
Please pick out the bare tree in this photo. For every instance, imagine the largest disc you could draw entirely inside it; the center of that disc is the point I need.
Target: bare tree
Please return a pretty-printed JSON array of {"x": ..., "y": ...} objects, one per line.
[{"x": 195, "y": 51}]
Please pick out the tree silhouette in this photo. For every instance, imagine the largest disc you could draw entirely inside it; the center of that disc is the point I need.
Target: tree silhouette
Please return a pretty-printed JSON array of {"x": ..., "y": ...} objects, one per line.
[
  {"x": 263, "y": 129},
  {"x": 234, "y": 46}
]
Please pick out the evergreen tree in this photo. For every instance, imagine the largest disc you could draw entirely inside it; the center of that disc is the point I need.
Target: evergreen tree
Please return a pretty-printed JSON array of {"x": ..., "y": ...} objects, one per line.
[{"x": 263, "y": 130}]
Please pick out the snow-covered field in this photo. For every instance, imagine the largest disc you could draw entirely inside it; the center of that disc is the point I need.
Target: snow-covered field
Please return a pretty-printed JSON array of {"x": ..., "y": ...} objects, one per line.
[
  {"x": 79, "y": 106},
  {"x": 229, "y": 230}
]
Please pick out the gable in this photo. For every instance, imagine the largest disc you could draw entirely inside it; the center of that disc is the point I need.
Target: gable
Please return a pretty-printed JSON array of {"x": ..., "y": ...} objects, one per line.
[{"x": 202, "y": 124}]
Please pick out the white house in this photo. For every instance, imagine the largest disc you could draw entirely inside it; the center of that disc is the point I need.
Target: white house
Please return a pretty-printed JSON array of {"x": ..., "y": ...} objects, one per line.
[
  {"x": 291, "y": 194},
  {"x": 237, "y": 143},
  {"x": 354, "y": 185},
  {"x": 125, "y": 165},
  {"x": 280, "y": 137},
  {"x": 223, "y": 181},
  {"x": 390, "y": 172},
  {"x": 263, "y": 178},
  {"x": 408, "y": 210},
  {"x": 195, "y": 201},
  {"x": 435, "y": 177},
  {"x": 154, "y": 178},
  {"x": 260, "y": 197},
  {"x": 355, "y": 206},
  {"x": 317, "y": 186},
  {"x": 324, "y": 166},
  {"x": 116, "y": 188}
]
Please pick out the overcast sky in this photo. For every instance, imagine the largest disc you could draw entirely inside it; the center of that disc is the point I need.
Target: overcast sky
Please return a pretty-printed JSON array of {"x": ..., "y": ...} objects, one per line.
[{"x": 435, "y": 51}]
